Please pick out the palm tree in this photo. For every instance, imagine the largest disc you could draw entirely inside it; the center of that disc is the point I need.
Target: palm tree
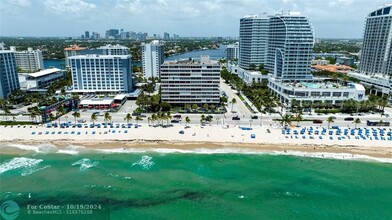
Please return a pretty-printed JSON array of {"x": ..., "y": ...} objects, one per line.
[
  {"x": 58, "y": 115},
  {"x": 187, "y": 120},
  {"x": 52, "y": 117},
  {"x": 107, "y": 117},
  {"x": 153, "y": 118},
  {"x": 202, "y": 118},
  {"x": 286, "y": 120},
  {"x": 233, "y": 101},
  {"x": 298, "y": 118},
  {"x": 168, "y": 117},
  {"x": 356, "y": 122},
  {"x": 76, "y": 115},
  {"x": 330, "y": 120},
  {"x": 128, "y": 118},
  {"x": 94, "y": 118},
  {"x": 138, "y": 119}
]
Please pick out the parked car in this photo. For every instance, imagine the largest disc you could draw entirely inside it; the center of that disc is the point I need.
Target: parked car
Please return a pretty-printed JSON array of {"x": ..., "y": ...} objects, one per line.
[
  {"x": 316, "y": 121},
  {"x": 236, "y": 118},
  {"x": 255, "y": 117},
  {"x": 349, "y": 119},
  {"x": 175, "y": 121},
  {"x": 177, "y": 116}
]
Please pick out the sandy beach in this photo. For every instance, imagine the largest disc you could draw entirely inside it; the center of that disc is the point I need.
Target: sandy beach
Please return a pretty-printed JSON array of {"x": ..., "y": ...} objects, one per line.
[{"x": 207, "y": 139}]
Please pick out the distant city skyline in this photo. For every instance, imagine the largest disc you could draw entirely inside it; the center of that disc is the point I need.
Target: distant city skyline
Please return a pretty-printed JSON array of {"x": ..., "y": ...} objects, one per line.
[{"x": 203, "y": 18}]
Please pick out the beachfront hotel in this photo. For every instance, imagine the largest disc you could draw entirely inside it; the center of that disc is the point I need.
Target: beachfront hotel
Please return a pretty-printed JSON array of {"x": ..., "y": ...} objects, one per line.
[
  {"x": 94, "y": 73},
  {"x": 152, "y": 58},
  {"x": 28, "y": 60},
  {"x": 375, "y": 68},
  {"x": 8, "y": 75},
  {"x": 190, "y": 81},
  {"x": 253, "y": 40},
  {"x": 283, "y": 43}
]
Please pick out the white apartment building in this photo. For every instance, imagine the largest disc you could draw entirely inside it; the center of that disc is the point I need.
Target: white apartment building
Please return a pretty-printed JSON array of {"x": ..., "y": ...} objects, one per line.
[
  {"x": 233, "y": 51},
  {"x": 117, "y": 49},
  {"x": 94, "y": 73},
  {"x": 152, "y": 58},
  {"x": 190, "y": 82},
  {"x": 29, "y": 60}
]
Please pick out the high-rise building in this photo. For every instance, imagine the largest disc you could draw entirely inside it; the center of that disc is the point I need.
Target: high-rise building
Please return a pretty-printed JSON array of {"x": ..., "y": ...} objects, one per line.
[
  {"x": 8, "y": 75},
  {"x": 112, "y": 33},
  {"x": 87, "y": 34},
  {"x": 253, "y": 41},
  {"x": 376, "y": 55},
  {"x": 290, "y": 46},
  {"x": 375, "y": 67},
  {"x": 101, "y": 73},
  {"x": 232, "y": 51},
  {"x": 190, "y": 81},
  {"x": 166, "y": 36},
  {"x": 117, "y": 49},
  {"x": 30, "y": 60},
  {"x": 284, "y": 44},
  {"x": 152, "y": 58}
]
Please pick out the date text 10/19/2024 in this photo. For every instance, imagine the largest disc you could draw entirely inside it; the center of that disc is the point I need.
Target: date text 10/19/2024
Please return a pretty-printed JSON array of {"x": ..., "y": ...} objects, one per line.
[{"x": 68, "y": 209}]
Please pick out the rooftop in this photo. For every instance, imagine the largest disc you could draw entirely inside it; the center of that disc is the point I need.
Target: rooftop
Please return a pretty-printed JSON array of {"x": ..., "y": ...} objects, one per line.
[
  {"x": 44, "y": 72},
  {"x": 111, "y": 46},
  {"x": 202, "y": 61},
  {"x": 333, "y": 68},
  {"x": 324, "y": 85},
  {"x": 97, "y": 56},
  {"x": 75, "y": 47}
]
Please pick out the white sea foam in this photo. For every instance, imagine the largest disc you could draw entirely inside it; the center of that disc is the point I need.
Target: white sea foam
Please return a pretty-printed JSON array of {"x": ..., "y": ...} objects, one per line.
[
  {"x": 40, "y": 148},
  {"x": 72, "y": 150},
  {"x": 145, "y": 162},
  {"x": 26, "y": 164},
  {"x": 326, "y": 155},
  {"x": 85, "y": 164},
  {"x": 31, "y": 170}
]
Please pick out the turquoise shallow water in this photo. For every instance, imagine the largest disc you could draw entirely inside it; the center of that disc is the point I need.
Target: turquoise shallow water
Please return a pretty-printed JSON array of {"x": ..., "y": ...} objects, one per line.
[{"x": 194, "y": 186}]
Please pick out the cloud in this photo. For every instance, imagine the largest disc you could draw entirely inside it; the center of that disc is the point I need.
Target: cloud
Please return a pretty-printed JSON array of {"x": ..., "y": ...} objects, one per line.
[
  {"x": 68, "y": 6},
  {"x": 20, "y": 3}
]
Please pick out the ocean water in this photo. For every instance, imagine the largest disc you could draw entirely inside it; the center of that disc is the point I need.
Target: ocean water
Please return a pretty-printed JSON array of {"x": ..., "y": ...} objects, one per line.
[{"x": 153, "y": 185}]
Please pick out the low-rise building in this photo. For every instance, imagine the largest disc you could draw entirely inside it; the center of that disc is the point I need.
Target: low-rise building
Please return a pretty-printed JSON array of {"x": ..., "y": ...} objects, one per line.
[
  {"x": 190, "y": 81},
  {"x": 251, "y": 76},
  {"x": 316, "y": 91},
  {"x": 378, "y": 84},
  {"x": 332, "y": 68},
  {"x": 44, "y": 78},
  {"x": 320, "y": 62},
  {"x": 347, "y": 61}
]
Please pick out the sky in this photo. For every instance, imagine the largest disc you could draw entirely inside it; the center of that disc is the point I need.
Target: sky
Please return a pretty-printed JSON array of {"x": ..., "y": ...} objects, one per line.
[{"x": 199, "y": 18}]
